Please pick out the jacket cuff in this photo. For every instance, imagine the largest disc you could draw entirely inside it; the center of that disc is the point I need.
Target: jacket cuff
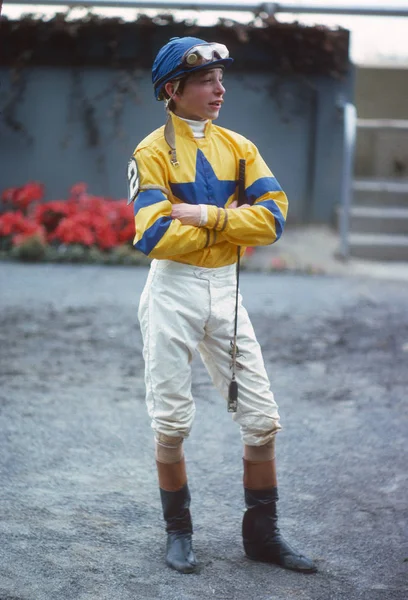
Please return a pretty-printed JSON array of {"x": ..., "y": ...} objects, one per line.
[
  {"x": 203, "y": 215},
  {"x": 217, "y": 218}
]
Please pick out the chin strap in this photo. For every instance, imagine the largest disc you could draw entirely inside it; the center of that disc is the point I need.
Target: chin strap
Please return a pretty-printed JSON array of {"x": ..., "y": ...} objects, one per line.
[
  {"x": 169, "y": 133},
  {"x": 170, "y": 137}
]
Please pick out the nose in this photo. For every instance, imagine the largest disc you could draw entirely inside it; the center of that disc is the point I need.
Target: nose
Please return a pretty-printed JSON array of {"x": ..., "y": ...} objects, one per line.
[{"x": 220, "y": 88}]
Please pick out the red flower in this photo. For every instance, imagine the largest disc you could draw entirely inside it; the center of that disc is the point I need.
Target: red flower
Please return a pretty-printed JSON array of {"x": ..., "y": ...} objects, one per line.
[
  {"x": 15, "y": 222},
  {"x": 105, "y": 238},
  {"x": 23, "y": 196},
  {"x": 8, "y": 195},
  {"x": 82, "y": 219},
  {"x": 50, "y": 214},
  {"x": 123, "y": 221},
  {"x": 78, "y": 189},
  {"x": 72, "y": 231},
  {"x": 126, "y": 234},
  {"x": 27, "y": 194},
  {"x": 8, "y": 222}
]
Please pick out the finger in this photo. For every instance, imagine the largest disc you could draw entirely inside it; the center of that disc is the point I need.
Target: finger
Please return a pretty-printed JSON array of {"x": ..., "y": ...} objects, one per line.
[{"x": 234, "y": 205}]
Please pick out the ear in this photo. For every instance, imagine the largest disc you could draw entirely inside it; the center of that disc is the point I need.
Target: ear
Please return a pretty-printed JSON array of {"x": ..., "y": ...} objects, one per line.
[{"x": 170, "y": 87}]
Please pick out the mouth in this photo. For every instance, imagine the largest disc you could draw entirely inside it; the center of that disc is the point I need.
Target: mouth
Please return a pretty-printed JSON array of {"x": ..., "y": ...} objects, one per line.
[{"x": 217, "y": 104}]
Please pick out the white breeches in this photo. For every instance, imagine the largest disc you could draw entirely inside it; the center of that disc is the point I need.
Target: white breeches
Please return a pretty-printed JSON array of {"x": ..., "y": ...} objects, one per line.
[{"x": 182, "y": 309}]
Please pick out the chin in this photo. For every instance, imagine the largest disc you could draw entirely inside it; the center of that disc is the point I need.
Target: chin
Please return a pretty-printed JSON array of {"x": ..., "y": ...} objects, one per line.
[{"x": 213, "y": 114}]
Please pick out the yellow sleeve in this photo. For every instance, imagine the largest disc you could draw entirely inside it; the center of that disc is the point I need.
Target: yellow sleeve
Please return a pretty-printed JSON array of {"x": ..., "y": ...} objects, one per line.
[
  {"x": 157, "y": 234},
  {"x": 263, "y": 222}
]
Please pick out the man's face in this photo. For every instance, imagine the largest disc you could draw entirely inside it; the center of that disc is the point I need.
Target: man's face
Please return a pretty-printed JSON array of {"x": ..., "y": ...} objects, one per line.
[{"x": 202, "y": 96}]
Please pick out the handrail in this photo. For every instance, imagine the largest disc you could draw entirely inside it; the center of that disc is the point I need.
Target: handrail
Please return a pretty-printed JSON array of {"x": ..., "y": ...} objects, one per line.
[
  {"x": 401, "y": 124},
  {"x": 349, "y": 142}
]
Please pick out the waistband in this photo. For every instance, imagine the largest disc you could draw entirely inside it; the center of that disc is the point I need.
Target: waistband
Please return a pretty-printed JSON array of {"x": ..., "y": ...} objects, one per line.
[{"x": 172, "y": 267}]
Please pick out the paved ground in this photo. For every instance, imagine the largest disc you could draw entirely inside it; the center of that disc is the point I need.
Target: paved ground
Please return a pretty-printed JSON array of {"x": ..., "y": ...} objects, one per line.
[
  {"x": 316, "y": 249},
  {"x": 79, "y": 505}
]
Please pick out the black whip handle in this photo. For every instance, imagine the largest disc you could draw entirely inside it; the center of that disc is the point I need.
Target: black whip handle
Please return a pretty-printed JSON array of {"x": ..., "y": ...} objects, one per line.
[
  {"x": 241, "y": 182},
  {"x": 233, "y": 386}
]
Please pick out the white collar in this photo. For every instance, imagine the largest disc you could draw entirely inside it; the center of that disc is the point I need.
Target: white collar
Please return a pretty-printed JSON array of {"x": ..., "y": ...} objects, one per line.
[{"x": 197, "y": 127}]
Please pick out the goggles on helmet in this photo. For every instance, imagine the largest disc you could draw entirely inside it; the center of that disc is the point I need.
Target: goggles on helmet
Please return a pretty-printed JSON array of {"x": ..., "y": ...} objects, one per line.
[{"x": 203, "y": 54}]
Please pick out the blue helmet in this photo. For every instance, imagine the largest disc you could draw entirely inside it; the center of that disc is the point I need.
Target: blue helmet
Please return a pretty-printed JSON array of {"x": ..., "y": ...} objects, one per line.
[{"x": 181, "y": 56}]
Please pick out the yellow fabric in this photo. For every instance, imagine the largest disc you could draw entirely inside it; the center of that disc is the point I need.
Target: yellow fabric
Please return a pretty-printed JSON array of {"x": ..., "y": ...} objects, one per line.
[{"x": 207, "y": 174}]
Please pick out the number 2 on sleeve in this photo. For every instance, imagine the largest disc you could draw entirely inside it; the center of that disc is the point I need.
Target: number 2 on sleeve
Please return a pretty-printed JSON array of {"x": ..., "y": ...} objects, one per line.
[{"x": 133, "y": 179}]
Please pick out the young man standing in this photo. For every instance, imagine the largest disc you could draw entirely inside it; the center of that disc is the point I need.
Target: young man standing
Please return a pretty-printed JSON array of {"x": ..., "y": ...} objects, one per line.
[{"x": 183, "y": 181}]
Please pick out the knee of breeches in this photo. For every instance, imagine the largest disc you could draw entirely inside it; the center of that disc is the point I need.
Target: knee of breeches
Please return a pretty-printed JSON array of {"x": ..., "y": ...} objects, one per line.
[
  {"x": 176, "y": 423},
  {"x": 259, "y": 437}
]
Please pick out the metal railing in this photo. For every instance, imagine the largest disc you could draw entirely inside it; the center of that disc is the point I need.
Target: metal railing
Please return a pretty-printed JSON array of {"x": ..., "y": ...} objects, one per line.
[
  {"x": 271, "y": 8},
  {"x": 375, "y": 124},
  {"x": 349, "y": 144}
]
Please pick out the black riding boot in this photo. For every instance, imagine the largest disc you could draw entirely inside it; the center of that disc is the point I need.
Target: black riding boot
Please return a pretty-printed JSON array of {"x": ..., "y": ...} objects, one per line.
[
  {"x": 176, "y": 512},
  {"x": 260, "y": 531}
]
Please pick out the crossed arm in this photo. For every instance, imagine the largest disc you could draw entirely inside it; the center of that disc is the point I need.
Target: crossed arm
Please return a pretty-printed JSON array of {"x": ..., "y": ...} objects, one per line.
[{"x": 189, "y": 214}]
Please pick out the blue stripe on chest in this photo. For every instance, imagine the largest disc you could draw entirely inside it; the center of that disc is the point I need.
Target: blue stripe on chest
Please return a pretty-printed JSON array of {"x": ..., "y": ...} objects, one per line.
[{"x": 207, "y": 188}]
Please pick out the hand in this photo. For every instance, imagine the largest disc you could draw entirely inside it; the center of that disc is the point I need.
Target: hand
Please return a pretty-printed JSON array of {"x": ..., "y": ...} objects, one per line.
[
  {"x": 186, "y": 214},
  {"x": 235, "y": 205}
]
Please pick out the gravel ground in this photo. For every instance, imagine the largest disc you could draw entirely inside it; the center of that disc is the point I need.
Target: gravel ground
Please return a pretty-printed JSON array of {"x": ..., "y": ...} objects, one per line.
[{"x": 79, "y": 504}]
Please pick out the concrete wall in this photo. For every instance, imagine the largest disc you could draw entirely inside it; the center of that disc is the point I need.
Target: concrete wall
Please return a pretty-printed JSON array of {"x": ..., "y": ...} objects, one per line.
[
  {"x": 81, "y": 128},
  {"x": 382, "y": 153},
  {"x": 382, "y": 94}
]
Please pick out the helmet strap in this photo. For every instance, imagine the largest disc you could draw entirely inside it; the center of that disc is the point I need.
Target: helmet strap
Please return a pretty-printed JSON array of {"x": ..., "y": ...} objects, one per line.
[
  {"x": 169, "y": 133},
  {"x": 170, "y": 137}
]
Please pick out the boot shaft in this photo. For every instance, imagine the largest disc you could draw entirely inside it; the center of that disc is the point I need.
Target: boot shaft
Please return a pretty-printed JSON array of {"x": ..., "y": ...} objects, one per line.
[{"x": 176, "y": 510}]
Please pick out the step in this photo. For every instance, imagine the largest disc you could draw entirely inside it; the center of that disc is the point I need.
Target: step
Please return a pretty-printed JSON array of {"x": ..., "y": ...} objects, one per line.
[
  {"x": 378, "y": 219},
  {"x": 371, "y": 192},
  {"x": 379, "y": 247},
  {"x": 380, "y": 124}
]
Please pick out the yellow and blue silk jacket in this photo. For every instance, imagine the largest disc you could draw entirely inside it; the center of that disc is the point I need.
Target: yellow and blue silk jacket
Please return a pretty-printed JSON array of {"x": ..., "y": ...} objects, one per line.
[{"x": 207, "y": 174}]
